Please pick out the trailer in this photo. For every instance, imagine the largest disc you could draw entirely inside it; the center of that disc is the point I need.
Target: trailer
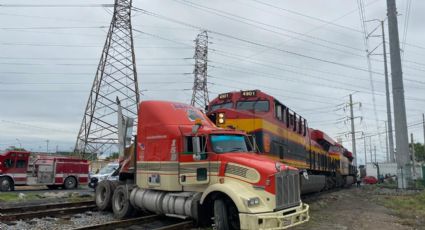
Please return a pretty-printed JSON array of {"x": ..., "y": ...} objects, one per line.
[
  {"x": 181, "y": 165},
  {"x": 19, "y": 168}
]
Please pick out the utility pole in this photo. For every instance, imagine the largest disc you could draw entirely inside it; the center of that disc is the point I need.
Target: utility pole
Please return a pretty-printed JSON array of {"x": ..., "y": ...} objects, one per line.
[
  {"x": 386, "y": 143},
  {"x": 413, "y": 156},
  {"x": 402, "y": 139},
  {"x": 47, "y": 146},
  {"x": 353, "y": 131},
  {"x": 365, "y": 150},
  {"x": 389, "y": 132},
  {"x": 423, "y": 122},
  {"x": 374, "y": 153},
  {"x": 116, "y": 75},
  {"x": 200, "y": 97},
  {"x": 370, "y": 149}
]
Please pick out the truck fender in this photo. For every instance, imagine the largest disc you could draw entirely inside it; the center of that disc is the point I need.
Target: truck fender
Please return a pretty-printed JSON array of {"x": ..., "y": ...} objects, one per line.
[
  {"x": 232, "y": 190},
  {"x": 8, "y": 176}
]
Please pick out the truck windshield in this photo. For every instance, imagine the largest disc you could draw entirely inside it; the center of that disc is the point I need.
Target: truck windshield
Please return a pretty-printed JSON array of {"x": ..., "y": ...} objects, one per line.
[
  {"x": 108, "y": 169},
  {"x": 228, "y": 143}
]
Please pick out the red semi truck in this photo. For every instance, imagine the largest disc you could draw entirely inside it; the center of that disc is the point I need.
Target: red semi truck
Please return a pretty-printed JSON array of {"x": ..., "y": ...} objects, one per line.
[
  {"x": 23, "y": 168},
  {"x": 183, "y": 166}
]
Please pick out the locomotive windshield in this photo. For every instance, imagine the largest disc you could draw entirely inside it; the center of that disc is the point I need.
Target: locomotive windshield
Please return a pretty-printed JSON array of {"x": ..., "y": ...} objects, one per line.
[
  {"x": 258, "y": 106},
  {"x": 229, "y": 143},
  {"x": 222, "y": 106}
]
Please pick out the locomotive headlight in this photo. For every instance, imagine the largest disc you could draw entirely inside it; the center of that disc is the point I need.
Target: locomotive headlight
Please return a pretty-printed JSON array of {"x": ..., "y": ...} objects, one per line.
[
  {"x": 221, "y": 118},
  {"x": 253, "y": 201}
]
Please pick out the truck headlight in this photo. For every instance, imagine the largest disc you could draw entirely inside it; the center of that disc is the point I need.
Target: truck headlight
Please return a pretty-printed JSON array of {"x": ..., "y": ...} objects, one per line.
[{"x": 253, "y": 201}]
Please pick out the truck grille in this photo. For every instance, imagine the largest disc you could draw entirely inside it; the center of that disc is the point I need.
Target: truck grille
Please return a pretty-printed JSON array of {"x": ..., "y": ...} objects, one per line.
[{"x": 287, "y": 189}]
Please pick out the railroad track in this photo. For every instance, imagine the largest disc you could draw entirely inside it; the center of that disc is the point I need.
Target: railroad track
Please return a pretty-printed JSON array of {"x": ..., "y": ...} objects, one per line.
[
  {"x": 51, "y": 210},
  {"x": 156, "y": 222}
]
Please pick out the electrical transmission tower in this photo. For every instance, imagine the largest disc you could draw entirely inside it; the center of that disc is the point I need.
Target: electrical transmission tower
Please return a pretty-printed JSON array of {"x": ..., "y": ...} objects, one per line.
[
  {"x": 200, "y": 90},
  {"x": 116, "y": 76}
]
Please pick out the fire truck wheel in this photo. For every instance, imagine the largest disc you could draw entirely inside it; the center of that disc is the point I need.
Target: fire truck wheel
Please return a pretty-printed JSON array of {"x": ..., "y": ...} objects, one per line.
[
  {"x": 226, "y": 217},
  {"x": 70, "y": 183},
  {"x": 103, "y": 195},
  {"x": 6, "y": 184},
  {"x": 121, "y": 203}
]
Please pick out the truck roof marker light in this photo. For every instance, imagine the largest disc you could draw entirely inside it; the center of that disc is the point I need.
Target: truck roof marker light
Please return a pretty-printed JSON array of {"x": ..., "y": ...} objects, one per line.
[
  {"x": 198, "y": 121},
  {"x": 198, "y": 124}
]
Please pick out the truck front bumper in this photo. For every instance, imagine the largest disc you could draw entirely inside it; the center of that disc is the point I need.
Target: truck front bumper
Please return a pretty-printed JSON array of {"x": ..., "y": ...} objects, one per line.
[{"x": 283, "y": 219}]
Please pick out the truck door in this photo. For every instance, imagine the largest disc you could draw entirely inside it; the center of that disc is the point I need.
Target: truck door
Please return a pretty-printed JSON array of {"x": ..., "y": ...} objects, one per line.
[
  {"x": 15, "y": 164},
  {"x": 194, "y": 171}
]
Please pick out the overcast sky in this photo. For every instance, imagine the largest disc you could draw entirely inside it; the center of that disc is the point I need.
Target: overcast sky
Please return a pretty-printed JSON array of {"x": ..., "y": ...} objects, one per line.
[{"x": 49, "y": 56}]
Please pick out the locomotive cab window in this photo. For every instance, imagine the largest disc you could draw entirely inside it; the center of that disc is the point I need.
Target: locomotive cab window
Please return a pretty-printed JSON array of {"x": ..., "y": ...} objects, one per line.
[
  {"x": 257, "y": 106},
  {"x": 278, "y": 112},
  {"x": 221, "y": 106}
]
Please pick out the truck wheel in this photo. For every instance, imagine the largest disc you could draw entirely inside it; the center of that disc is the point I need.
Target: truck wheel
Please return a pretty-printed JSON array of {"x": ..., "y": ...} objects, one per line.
[
  {"x": 226, "y": 217},
  {"x": 70, "y": 183},
  {"x": 6, "y": 184},
  {"x": 121, "y": 203},
  {"x": 103, "y": 195}
]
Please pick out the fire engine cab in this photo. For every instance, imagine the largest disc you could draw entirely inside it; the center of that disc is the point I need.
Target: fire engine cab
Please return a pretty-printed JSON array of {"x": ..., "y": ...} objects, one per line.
[{"x": 23, "y": 168}]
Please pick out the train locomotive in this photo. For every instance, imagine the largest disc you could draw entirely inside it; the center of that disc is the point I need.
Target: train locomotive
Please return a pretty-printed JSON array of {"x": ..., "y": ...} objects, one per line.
[{"x": 282, "y": 134}]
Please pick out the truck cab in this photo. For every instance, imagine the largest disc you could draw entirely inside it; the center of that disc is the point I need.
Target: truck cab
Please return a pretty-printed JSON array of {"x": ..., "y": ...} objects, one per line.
[
  {"x": 189, "y": 168},
  {"x": 23, "y": 168},
  {"x": 13, "y": 169}
]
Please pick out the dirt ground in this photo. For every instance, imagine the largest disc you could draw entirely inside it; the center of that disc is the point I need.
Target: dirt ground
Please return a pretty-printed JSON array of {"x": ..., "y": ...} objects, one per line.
[{"x": 357, "y": 208}]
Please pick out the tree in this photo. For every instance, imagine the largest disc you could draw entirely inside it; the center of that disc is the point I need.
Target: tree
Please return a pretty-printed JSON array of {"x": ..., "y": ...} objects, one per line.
[
  {"x": 113, "y": 156},
  {"x": 419, "y": 151}
]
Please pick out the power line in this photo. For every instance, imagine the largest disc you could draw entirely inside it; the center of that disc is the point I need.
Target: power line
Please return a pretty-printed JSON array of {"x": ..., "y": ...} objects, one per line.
[
  {"x": 253, "y": 42},
  {"x": 55, "y": 5}
]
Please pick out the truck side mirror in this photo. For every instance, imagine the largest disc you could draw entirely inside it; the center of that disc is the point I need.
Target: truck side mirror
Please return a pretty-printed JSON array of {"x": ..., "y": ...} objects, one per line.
[
  {"x": 253, "y": 142},
  {"x": 197, "y": 151}
]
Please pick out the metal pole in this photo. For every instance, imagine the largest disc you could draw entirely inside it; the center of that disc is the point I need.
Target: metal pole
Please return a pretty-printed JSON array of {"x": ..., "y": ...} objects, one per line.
[
  {"x": 365, "y": 151},
  {"x": 390, "y": 138},
  {"x": 423, "y": 122},
  {"x": 413, "y": 156},
  {"x": 47, "y": 146},
  {"x": 386, "y": 142},
  {"x": 353, "y": 131},
  {"x": 370, "y": 149},
  {"x": 402, "y": 139},
  {"x": 374, "y": 152}
]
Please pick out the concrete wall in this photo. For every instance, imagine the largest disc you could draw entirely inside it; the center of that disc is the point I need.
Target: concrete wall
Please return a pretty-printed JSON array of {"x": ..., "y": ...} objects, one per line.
[{"x": 389, "y": 168}]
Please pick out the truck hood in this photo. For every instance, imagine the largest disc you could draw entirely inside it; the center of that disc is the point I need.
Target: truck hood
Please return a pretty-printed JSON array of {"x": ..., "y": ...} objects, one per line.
[{"x": 253, "y": 160}]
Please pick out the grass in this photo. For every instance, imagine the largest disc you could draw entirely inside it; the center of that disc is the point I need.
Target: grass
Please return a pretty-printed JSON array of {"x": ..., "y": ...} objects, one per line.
[
  {"x": 9, "y": 197},
  {"x": 410, "y": 208},
  {"x": 14, "y": 197}
]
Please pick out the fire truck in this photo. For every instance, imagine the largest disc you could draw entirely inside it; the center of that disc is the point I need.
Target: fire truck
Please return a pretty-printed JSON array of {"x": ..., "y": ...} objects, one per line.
[
  {"x": 181, "y": 165},
  {"x": 23, "y": 168}
]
